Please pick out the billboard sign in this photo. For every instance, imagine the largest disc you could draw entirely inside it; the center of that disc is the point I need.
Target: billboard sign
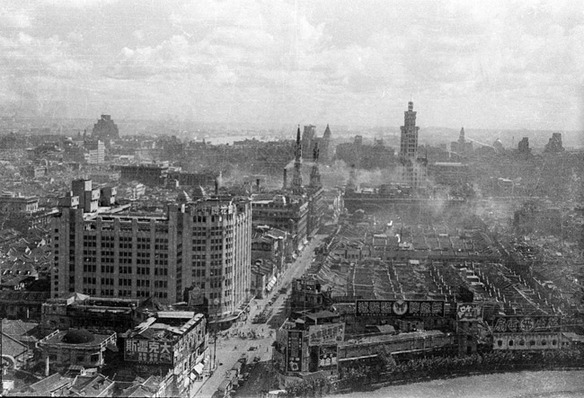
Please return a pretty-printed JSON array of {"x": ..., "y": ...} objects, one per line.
[
  {"x": 527, "y": 341},
  {"x": 327, "y": 357},
  {"x": 469, "y": 312},
  {"x": 148, "y": 351},
  {"x": 294, "y": 351},
  {"x": 525, "y": 324},
  {"x": 399, "y": 308},
  {"x": 332, "y": 333}
]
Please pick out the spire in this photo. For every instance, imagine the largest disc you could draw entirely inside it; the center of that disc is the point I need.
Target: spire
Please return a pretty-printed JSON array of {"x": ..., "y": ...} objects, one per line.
[
  {"x": 327, "y": 131},
  {"x": 297, "y": 176},
  {"x": 315, "y": 152},
  {"x": 298, "y": 151},
  {"x": 314, "y": 172}
]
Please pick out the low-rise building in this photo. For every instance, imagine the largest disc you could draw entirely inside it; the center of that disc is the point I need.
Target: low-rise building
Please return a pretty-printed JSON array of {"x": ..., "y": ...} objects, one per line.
[
  {"x": 62, "y": 349},
  {"x": 151, "y": 174},
  {"x": 309, "y": 294},
  {"x": 271, "y": 244},
  {"x": 288, "y": 213},
  {"x": 264, "y": 277},
  {"x": 95, "y": 314},
  {"x": 157, "y": 346},
  {"x": 22, "y": 304},
  {"x": 11, "y": 203}
]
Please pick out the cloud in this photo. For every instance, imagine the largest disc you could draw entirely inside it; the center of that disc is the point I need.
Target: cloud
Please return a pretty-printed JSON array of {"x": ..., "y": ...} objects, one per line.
[
  {"x": 493, "y": 63},
  {"x": 36, "y": 70},
  {"x": 14, "y": 18},
  {"x": 77, "y": 3}
]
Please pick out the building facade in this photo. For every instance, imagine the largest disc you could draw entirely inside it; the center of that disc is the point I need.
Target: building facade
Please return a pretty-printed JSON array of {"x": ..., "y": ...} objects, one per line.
[
  {"x": 151, "y": 174},
  {"x": 413, "y": 168},
  {"x": 217, "y": 250},
  {"x": 288, "y": 213},
  {"x": 105, "y": 129},
  {"x": 156, "y": 346},
  {"x": 12, "y": 203},
  {"x": 62, "y": 349},
  {"x": 97, "y": 315},
  {"x": 96, "y": 151},
  {"x": 201, "y": 248}
]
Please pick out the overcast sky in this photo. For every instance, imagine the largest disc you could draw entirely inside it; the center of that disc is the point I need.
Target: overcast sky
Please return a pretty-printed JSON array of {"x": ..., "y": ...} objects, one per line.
[{"x": 483, "y": 64}]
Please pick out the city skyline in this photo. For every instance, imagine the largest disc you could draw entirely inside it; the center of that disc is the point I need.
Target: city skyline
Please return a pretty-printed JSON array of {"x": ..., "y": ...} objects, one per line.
[{"x": 490, "y": 65}]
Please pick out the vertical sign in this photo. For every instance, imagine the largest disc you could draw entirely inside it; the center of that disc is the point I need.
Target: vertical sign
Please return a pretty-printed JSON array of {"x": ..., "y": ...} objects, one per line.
[{"x": 294, "y": 351}]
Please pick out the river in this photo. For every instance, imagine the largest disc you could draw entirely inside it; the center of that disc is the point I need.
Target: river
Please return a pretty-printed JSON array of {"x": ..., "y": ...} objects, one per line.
[{"x": 544, "y": 384}]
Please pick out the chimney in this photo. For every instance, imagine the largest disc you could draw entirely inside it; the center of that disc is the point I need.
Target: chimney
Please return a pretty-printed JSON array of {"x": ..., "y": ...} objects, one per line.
[
  {"x": 258, "y": 184},
  {"x": 216, "y": 186},
  {"x": 285, "y": 178}
]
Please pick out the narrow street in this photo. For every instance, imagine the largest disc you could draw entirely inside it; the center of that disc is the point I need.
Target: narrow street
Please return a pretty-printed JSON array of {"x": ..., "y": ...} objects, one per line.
[{"x": 231, "y": 348}]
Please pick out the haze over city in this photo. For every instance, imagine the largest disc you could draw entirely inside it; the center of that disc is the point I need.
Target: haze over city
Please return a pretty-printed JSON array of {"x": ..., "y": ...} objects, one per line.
[
  {"x": 497, "y": 64},
  {"x": 291, "y": 198}
]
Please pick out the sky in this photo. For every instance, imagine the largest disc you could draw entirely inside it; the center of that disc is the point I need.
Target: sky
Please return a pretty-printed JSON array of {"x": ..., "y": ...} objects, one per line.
[{"x": 486, "y": 64}]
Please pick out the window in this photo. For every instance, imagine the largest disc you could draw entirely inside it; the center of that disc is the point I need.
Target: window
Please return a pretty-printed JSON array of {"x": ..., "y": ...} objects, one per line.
[
  {"x": 143, "y": 283},
  {"x": 499, "y": 342}
]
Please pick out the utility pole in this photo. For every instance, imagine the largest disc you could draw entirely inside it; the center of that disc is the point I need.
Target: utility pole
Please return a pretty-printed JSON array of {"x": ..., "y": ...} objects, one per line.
[{"x": 214, "y": 351}]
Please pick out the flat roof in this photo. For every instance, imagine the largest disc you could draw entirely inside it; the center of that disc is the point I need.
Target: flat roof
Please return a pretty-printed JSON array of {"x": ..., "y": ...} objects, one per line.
[{"x": 390, "y": 338}]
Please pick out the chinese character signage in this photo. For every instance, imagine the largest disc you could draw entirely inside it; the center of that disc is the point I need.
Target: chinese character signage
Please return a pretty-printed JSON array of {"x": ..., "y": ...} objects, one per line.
[
  {"x": 148, "y": 351},
  {"x": 294, "y": 351},
  {"x": 469, "y": 312},
  {"x": 331, "y": 333},
  {"x": 327, "y": 357},
  {"x": 399, "y": 308},
  {"x": 527, "y": 341},
  {"x": 525, "y": 324}
]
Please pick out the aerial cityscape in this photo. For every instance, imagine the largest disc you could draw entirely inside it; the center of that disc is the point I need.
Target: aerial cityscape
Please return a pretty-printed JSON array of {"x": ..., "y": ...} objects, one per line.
[{"x": 291, "y": 198}]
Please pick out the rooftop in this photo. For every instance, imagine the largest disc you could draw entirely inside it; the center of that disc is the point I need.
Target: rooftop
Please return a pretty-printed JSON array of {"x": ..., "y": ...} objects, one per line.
[
  {"x": 386, "y": 338},
  {"x": 74, "y": 337}
]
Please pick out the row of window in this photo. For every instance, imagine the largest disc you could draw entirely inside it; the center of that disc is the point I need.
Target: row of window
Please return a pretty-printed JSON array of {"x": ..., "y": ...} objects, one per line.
[
  {"x": 529, "y": 343},
  {"x": 109, "y": 269}
]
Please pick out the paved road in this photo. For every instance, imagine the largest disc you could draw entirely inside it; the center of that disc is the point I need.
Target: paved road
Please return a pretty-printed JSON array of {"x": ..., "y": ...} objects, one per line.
[{"x": 230, "y": 349}]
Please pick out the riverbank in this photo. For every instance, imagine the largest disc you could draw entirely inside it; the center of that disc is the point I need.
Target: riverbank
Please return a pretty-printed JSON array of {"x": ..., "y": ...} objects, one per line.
[
  {"x": 445, "y": 377},
  {"x": 524, "y": 384},
  {"x": 438, "y": 368},
  {"x": 367, "y": 378}
]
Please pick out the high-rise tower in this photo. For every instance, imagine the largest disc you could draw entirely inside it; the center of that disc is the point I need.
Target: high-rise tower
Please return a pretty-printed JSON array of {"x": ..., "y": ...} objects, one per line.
[
  {"x": 325, "y": 148},
  {"x": 413, "y": 169},
  {"x": 409, "y": 134}
]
